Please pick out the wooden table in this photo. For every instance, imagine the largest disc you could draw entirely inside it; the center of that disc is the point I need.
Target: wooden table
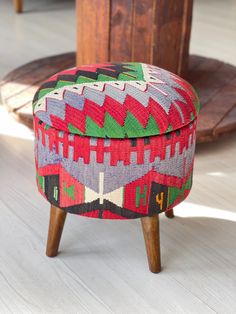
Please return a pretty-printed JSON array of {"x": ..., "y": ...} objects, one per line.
[{"x": 151, "y": 31}]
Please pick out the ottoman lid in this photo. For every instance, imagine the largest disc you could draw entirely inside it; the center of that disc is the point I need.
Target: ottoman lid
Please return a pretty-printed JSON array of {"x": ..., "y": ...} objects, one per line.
[{"x": 116, "y": 100}]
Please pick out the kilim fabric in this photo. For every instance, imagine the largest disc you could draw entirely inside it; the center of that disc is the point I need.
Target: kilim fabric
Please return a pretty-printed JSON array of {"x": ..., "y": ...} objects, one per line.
[
  {"x": 116, "y": 101},
  {"x": 115, "y": 141}
]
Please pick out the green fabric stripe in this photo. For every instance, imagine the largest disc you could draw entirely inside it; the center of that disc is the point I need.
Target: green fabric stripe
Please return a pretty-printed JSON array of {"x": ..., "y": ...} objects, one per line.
[
  {"x": 74, "y": 130},
  {"x": 63, "y": 83},
  {"x": 93, "y": 129},
  {"x": 69, "y": 190},
  {"x": 174, "y": 193},
  {"x": 136, "y": 74},
  {"x": 41, "y": 181},
  {"x": 44, "y": 92},
  {"x": 135, "y": 129},
  {"x": 140, "y": 195},
  {"x": 83, "y": 79},
  {"x": 113, "y": 128}
]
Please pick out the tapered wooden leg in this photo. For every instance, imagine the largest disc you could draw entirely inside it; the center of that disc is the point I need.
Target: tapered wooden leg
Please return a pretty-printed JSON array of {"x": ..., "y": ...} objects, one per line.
[
  {"x": 18, "y": 4},
  {"x": 151, "y": 234},
  {"x": 56, "y": 224},
  {"x": 170, "y": 213}
]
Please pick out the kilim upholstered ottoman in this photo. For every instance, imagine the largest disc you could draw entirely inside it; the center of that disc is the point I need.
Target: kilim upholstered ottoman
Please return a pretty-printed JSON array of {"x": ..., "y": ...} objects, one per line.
[{"x": 115, "y": 141}]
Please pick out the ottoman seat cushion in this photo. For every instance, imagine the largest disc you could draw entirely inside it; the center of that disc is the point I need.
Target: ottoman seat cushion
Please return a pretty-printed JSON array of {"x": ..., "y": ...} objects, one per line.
[
  {"x": 116, "y": 101},
  {"x": 115, "y": 140}
]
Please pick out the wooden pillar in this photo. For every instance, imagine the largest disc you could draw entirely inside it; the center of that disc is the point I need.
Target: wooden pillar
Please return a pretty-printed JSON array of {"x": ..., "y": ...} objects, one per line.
[
  {"x": 150, "y": 31},
  {"x": 93, "y": 25}
]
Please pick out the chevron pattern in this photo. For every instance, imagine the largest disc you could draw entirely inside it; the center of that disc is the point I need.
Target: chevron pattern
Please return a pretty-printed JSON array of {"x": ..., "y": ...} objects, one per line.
[
  {"x": 116, "y": 101},
  {"x": 115, "y": 141},
  {"x": 91, "y": 73}
]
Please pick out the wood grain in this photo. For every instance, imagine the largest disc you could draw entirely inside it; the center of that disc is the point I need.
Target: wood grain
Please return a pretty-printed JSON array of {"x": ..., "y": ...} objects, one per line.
[
  {"x": 18, "y": 87},
  {"x": 183, "y": 64},
  {"x": 121, "y": 30},
  {"x": 151, "y": 235},
  {"x": 56, "y": 225},
  {"x": 203, "y": 68},
  {"x": 34, "y": 77},
  {"x": 172, "y": 27},
  {"x": 151, "y": 31},
  {"x": 18, "y": 5},
  {"x": 196, "y": 61},
  {"x": 228, "y": 123},
  {"x": 213, "y": 81},
  {"x": 170, "y": 213},
  {"x": 33, "y": 66},
  {"x": 215, "y": 111},
  {"x": 93, "y": 29},
  {"x": 142, "y": 33}
]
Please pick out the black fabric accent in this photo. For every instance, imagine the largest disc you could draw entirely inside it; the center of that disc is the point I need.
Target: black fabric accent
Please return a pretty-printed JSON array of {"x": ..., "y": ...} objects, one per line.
[
  {"x": 67, "y": 78},
  {"x": 88, "y": 74},
  {"x": 133, "y": 142},
  {"x": 124, "y": 212},
  {"x": 154, "y": 206},
  {"x": 51, "y": 183},
  {"x": 112, "y": 70},
  {"x": 177, "y": 132},
  {"x": 168, "y": 135},
  {"x": 84, "y": 208},
  {"x": 107, "y": 205},
  {"x": 146, "y": 140}
]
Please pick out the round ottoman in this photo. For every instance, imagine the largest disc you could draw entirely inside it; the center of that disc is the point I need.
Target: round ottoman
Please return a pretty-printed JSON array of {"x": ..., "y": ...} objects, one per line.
[{"x": 114, "y": 141}]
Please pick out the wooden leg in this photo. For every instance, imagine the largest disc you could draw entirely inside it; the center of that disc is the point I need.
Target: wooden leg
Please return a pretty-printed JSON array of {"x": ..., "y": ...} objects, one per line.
[
  {"x": 56, "y": 224},
  {"x": 18, "y": 4},
  {"x": 170, "y": 213},
  {"x": 151, "y": 234}
]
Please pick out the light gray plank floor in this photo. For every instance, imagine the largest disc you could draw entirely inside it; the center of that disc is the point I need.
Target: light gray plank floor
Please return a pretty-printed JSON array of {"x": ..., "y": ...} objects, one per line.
[
  {"x": 45, "y": 28},
  {"x": 102, "y": 266}
]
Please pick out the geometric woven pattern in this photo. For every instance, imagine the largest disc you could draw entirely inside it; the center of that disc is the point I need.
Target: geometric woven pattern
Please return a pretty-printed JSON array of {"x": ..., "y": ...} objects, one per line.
[
  {"x": 115, "y": 141},
  {"x": 112, "y": 178},
  {"x": 116, "y": 101}
]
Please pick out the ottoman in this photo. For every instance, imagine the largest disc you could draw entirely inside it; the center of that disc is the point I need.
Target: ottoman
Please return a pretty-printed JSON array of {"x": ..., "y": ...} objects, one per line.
[{"x": 114, "y": 141}]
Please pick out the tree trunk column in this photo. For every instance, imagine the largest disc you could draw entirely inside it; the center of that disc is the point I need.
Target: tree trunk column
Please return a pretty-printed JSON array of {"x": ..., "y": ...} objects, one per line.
[{"x": 149, "y": 31}]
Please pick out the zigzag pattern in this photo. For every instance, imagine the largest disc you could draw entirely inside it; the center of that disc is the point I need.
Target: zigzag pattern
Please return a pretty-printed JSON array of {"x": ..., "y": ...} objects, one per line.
[
  {"x": 90, "y": 73},
  {"x": 158, "y": 104},
  {"x": 135, "y": 157},
  {"x": 133, "y": 119}
]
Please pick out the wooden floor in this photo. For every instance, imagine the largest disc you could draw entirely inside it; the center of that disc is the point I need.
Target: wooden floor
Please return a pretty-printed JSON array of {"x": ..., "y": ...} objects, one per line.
[{"x": 102, "y": 266}]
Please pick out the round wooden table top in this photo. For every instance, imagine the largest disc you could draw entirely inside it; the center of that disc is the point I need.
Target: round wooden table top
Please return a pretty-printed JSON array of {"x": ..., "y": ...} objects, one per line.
[{"x": 214, "y": 81}]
